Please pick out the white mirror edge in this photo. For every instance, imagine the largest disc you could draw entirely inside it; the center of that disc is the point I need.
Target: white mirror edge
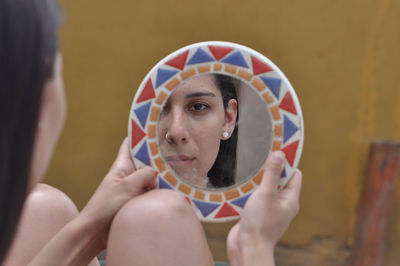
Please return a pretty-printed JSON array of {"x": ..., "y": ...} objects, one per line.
[{"x": 240, "y": 62}]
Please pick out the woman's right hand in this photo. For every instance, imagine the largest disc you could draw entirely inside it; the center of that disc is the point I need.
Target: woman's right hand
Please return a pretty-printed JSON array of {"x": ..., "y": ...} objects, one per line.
[
  {"x": 122, "y": 183},
  {"x": 84, "y": 237}
]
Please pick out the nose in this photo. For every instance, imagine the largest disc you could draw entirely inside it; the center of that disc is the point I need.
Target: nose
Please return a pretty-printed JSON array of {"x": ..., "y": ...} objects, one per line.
[{"x": 176, "y": 127}]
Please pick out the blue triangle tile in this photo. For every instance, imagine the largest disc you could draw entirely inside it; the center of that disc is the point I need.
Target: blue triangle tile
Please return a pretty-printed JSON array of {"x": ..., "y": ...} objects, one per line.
[
  {"x": 200, "y": 57},
  {"x": 143, "y": 154},
  {"x": 241, "y": 201},
  {"x": 163, "y": 75},
  {"x": 236, "y": 59},
  {"x": 142, "y": 113},
  {"x": 274, "y": 84},
  {"x": 205, "y": 207},
  {"x": 289, "y": 128},
  {"x": 163, "y": 184},
  {"x": 283, "y": 173}
]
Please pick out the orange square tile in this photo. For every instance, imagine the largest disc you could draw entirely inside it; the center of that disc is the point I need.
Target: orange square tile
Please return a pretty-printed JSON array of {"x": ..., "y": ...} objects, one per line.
[
  {"x": 204, "y": 68},
  {"x": 232, "y": 194},
  {"x": 258, "y": 84},
  {"x": 247, "y": 187},
  {"x": 161, "y": 97},
  {"x": 199, "y": 195},
  {"x": 278, "y": 131},
  {"x": 151, "y": 129},
  {"x": 172, "y": 84},
  {"x": 171, "y": 178},
  {"x": 267, "y": 97},
  {"x": 153, "y": 148},
  {"x": 217, "y": 67},
  {"x": 230, "y": 69},
  {"x": 188, "y": 73},
  {"x": 277, "y": 145},
  {"x": 216, "y": 197},
  {"x": 275, "y": 112},
  {"x": 160, "y": 164},
  {"x": 155, "y": 112},
  {"x": 257, "y": 179},
  {"x": 245, "y": 75},
  {"x": 185, "y": 189}
]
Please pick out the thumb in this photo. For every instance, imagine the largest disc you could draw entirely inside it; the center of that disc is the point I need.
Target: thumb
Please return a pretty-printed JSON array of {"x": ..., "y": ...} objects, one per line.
[
  {"x": 141, "y": 180},
  {"x": 291, "y": 192},
  {"x": 272, "y": 171},
  {"x": 123, "y": 164}
]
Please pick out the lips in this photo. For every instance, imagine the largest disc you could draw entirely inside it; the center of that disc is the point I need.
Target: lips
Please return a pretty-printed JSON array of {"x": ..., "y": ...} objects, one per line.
[{"x": 179, "y": 160}]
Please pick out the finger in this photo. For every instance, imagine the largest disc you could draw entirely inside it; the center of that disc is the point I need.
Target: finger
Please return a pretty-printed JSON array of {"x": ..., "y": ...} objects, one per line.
[
  {"x": 142, "y": 180},
  {"x": 123, "y": 163},
  {"x": 293, "y": 187},
  {"x": 272, "y": 171},
  {"x": 232, "y": 239}
]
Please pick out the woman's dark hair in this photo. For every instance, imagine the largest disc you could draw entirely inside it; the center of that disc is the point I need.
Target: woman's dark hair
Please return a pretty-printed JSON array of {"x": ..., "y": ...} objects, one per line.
[
  {"x": 222, "y": 173},
  {"x": 28, "y": 46}
]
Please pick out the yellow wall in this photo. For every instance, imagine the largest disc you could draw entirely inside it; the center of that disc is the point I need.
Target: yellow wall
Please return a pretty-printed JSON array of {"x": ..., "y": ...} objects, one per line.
[{"x": 342, "y": 57}]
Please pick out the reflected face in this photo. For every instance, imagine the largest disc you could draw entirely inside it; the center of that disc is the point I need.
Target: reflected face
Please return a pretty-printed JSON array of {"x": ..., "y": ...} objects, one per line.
[{"x": 191, "y": 127}]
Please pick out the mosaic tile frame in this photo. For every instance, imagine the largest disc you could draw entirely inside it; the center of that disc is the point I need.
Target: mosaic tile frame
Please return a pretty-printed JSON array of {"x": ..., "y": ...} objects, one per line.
[{"x": 243, "y": 63}]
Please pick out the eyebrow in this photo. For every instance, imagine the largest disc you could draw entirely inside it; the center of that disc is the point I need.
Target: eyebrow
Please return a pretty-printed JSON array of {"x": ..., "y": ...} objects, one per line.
[{"x": 199, "y": 94}]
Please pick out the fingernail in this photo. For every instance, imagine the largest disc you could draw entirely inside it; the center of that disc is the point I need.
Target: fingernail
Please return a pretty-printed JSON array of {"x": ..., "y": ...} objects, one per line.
[{"x": 278, "y": 157}]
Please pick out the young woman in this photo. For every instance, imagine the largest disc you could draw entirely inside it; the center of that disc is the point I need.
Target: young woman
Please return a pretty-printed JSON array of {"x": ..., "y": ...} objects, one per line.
[{"x": 137, "y": 225}]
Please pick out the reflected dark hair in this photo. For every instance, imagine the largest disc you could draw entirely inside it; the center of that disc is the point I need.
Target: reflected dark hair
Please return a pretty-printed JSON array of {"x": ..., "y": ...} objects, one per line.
[
  {"x": 28, "y": 46},
  {"x": 222, "y": 173}
]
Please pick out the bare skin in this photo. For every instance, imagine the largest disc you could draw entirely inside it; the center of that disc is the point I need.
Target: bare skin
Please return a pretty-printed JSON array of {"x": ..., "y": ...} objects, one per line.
[
  {"x": 158, "y": 228},
  {"x": 47, "y": 210}
]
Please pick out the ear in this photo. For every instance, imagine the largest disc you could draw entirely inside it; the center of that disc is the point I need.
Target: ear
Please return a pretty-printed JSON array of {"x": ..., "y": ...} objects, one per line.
[{"x": 230, "y": 118}]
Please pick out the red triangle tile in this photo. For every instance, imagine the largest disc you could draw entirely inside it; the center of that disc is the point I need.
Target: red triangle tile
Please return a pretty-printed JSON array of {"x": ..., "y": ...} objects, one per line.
[
  {"x": 290, "y": 152},
  {"x": 178, "y": 61},
  {"x": 147, "y": 93},
  {"x": 259, "y": 67},
  {"x": 219, "y": 52},
  {"x": 226, "y": 211},
  {"x": 137, "y": 134},
  {"x": 288, "y": 104}
]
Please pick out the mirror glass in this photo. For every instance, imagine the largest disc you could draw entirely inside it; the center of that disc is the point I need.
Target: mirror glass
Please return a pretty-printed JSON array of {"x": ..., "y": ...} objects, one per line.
[{"x": 214, "y": 131}]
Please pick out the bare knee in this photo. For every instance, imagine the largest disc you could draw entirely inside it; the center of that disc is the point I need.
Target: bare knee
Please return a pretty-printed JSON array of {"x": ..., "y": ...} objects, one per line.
[
  {"x": 46, "y": 200},
  {"x": 155, "y": 206},
  {"x": 161, "y": 221},
  {"x": 46, "y": 211}
]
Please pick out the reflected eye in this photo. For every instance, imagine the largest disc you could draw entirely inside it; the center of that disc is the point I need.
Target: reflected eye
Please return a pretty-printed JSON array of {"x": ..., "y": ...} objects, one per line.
[
  {"x": 198, "y": 107},
  {"x": 164, "y": 111}
]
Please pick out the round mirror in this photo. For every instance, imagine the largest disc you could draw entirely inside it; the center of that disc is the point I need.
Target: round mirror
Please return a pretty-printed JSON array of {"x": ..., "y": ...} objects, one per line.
[
  {"x": 201, "y": 134},
  {"x": 206, "y": 117}
]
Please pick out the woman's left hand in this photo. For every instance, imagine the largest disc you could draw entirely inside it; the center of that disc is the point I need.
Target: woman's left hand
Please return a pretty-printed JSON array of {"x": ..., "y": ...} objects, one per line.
[{"x": 266, "y": 215}]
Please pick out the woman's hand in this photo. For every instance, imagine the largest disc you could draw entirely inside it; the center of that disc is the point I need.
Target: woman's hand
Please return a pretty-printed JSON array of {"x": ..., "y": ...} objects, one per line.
[
  {"x": 84, "y": 237},
  {"x": 266, "y": 216},
  {"x": 121, "y": 184}
]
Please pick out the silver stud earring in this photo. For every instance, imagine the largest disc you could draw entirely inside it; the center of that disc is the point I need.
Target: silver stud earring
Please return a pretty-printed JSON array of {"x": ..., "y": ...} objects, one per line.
[{"x": 225, "y": 134}]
